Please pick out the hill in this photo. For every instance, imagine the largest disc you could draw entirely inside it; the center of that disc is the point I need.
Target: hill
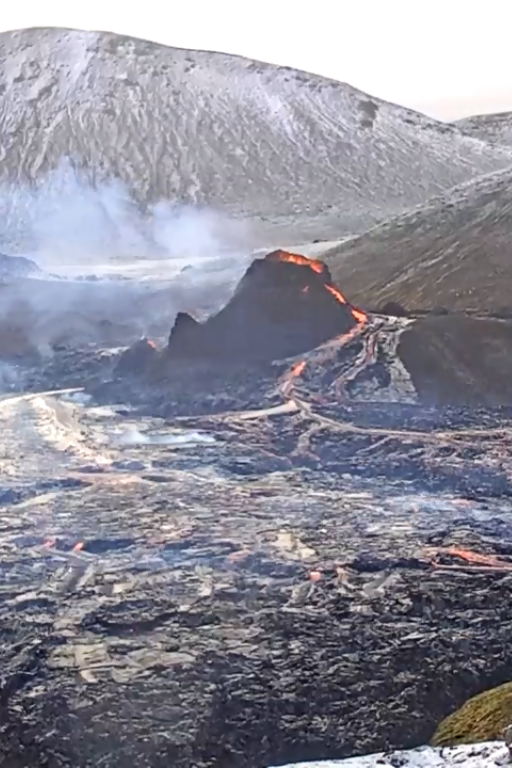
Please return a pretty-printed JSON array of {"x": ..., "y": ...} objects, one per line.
[
  {"x": 496, "y": 128},
  {"x": 453, "y": 252},
  {"x": 303, "y": 155}
]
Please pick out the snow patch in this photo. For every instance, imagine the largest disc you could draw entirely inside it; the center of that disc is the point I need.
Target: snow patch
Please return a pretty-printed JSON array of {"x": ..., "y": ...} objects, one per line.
[{"x": 485, "y": 755}]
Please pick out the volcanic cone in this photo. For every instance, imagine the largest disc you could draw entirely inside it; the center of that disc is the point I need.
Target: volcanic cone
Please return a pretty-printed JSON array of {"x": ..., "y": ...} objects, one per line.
[{"x": 284, "y": 305}]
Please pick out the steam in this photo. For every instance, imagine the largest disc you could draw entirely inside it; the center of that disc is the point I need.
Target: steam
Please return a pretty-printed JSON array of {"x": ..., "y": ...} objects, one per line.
[
  {"x": 66, "y": 220},
  {"x": 133, "y": 436},
  {"x": 75, "y": 228}
]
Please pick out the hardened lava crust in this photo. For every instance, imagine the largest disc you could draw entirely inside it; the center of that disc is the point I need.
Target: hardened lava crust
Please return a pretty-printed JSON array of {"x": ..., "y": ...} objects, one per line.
[{"x": 213, "y": 562}]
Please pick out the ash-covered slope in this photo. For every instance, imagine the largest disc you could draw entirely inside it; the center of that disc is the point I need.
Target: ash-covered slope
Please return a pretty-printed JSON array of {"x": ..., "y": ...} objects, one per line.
[
  {"x": 496, "y": 128},
  {"x": 453, "y": 252},
  {"x": 295, "y": 149}
]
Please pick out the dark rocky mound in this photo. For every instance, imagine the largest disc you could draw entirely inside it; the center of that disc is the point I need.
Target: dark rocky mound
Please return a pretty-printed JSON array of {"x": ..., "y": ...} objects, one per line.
[
  {"x": 284, "y": 305},
  {"x": 459, "y": 359},
  {"x": 393, "y": 308},
  {"x": 17, "y": 266}
]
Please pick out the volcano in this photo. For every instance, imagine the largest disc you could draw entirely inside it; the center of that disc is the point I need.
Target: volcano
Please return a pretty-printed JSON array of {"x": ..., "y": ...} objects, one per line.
[{"x": 284, "y": 305}]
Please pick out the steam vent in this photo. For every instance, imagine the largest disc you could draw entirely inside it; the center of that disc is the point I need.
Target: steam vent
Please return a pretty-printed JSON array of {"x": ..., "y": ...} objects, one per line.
[{"x": 284, "y": 305}]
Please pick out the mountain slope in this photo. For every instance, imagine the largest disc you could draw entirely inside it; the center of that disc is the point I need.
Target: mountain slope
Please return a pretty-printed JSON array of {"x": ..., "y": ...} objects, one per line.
[
  {"x": 306, "y": 154},
  {"x": 496, "y": 128},
  {"x": 453, "y": 252}
]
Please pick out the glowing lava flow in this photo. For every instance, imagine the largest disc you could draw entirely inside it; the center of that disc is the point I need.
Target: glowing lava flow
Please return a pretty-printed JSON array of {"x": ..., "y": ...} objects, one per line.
[
  {"x": 294, "y": 258},
  {"x": 337, "y": 294},
  {"x": 288, "y": 379},
  {"x": 319, "y": 267},
  {"x": 359, "y": 316}
]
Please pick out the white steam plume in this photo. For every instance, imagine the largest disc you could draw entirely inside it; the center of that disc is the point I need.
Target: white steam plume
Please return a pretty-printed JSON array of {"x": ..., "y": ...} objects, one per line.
[
  {"x": 72, "y": 227},
  {"x": 65, "y": 219}
]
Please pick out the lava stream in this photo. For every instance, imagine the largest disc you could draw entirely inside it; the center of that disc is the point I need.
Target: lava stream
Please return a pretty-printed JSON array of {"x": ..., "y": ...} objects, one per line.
[{"x": 295, "y": 258}]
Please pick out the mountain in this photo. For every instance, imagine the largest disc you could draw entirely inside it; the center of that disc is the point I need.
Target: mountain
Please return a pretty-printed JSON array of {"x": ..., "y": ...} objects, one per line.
[
  {"x": 300, "y": 154},
  {"x": 496, "y": 128},
  {"x": 453, "y": 252}
]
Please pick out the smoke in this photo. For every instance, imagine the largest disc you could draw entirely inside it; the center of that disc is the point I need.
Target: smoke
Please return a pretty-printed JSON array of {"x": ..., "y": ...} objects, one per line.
[
  {"x": 72, "y": 227},
  {"x": 66, "y": 220}
]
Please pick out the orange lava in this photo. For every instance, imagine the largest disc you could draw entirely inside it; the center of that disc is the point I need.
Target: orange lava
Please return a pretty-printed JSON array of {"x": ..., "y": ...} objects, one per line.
[
  {"x": 78, "y": 546},
  {"x": 337, "y": 294},
  {"x": 294, "y": 258},
  {"x": 359, "y": 316},
  {"x": 475, "y": 557},
  {"x": 298, "y": 368},
  {"x": 151, "y": 344},
  {"x": 317, "y": 266}
]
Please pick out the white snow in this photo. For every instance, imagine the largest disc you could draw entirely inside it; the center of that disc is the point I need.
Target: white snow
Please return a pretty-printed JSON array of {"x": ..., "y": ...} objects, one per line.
[{"x": 485, "y": 755}]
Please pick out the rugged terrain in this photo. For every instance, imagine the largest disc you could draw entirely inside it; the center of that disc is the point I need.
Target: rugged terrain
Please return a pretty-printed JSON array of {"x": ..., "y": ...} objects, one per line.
[
  {"x": 247, "y": 562},
  {"x": 308, "y": 157},
  {"x": 496, "y": 128},
  {"x": 453, "y": 253}
]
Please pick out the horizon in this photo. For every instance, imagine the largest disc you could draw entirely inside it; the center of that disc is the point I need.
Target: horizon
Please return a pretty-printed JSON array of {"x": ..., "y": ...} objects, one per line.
[{"x": 456, "y": 59}]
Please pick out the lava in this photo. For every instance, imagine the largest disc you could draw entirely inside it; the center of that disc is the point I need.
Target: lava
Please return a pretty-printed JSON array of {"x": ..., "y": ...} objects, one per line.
[
  {"x": 295, "y": 258},
  {"x": 337, "y": 294},
  {"x": 359, "y": 316},
  {"x": 298, "y": 368}
]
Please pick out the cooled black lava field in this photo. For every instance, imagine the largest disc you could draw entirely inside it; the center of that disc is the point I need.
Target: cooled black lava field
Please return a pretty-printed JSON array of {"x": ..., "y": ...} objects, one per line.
[{"x": 270, "y": 537}]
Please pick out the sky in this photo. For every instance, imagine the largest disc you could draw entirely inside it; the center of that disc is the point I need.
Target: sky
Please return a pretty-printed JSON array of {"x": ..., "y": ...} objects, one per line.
[{"x": 449, "y": 58}]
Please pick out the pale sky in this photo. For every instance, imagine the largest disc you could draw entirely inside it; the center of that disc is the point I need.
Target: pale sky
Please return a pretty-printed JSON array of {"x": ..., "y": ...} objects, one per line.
[{"x": 449, "y": 58}]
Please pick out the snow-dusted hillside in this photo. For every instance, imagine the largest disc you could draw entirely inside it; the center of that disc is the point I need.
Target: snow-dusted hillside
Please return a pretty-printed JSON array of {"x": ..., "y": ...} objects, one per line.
[
  {"x": 496, "y": 128},
  {"x": 307, "y": 155},
  {"x": 485, "y": 755},
  {"x": 453, "y": 252}
]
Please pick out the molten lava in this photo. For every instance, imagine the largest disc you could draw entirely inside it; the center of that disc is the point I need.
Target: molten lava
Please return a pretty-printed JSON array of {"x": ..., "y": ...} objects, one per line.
[
  {"x": 359, "y": 316},
  {"x": 337, "y": 294},
  {"x": 298, "y": 368},
  {"x": 295, "y": 258}
]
